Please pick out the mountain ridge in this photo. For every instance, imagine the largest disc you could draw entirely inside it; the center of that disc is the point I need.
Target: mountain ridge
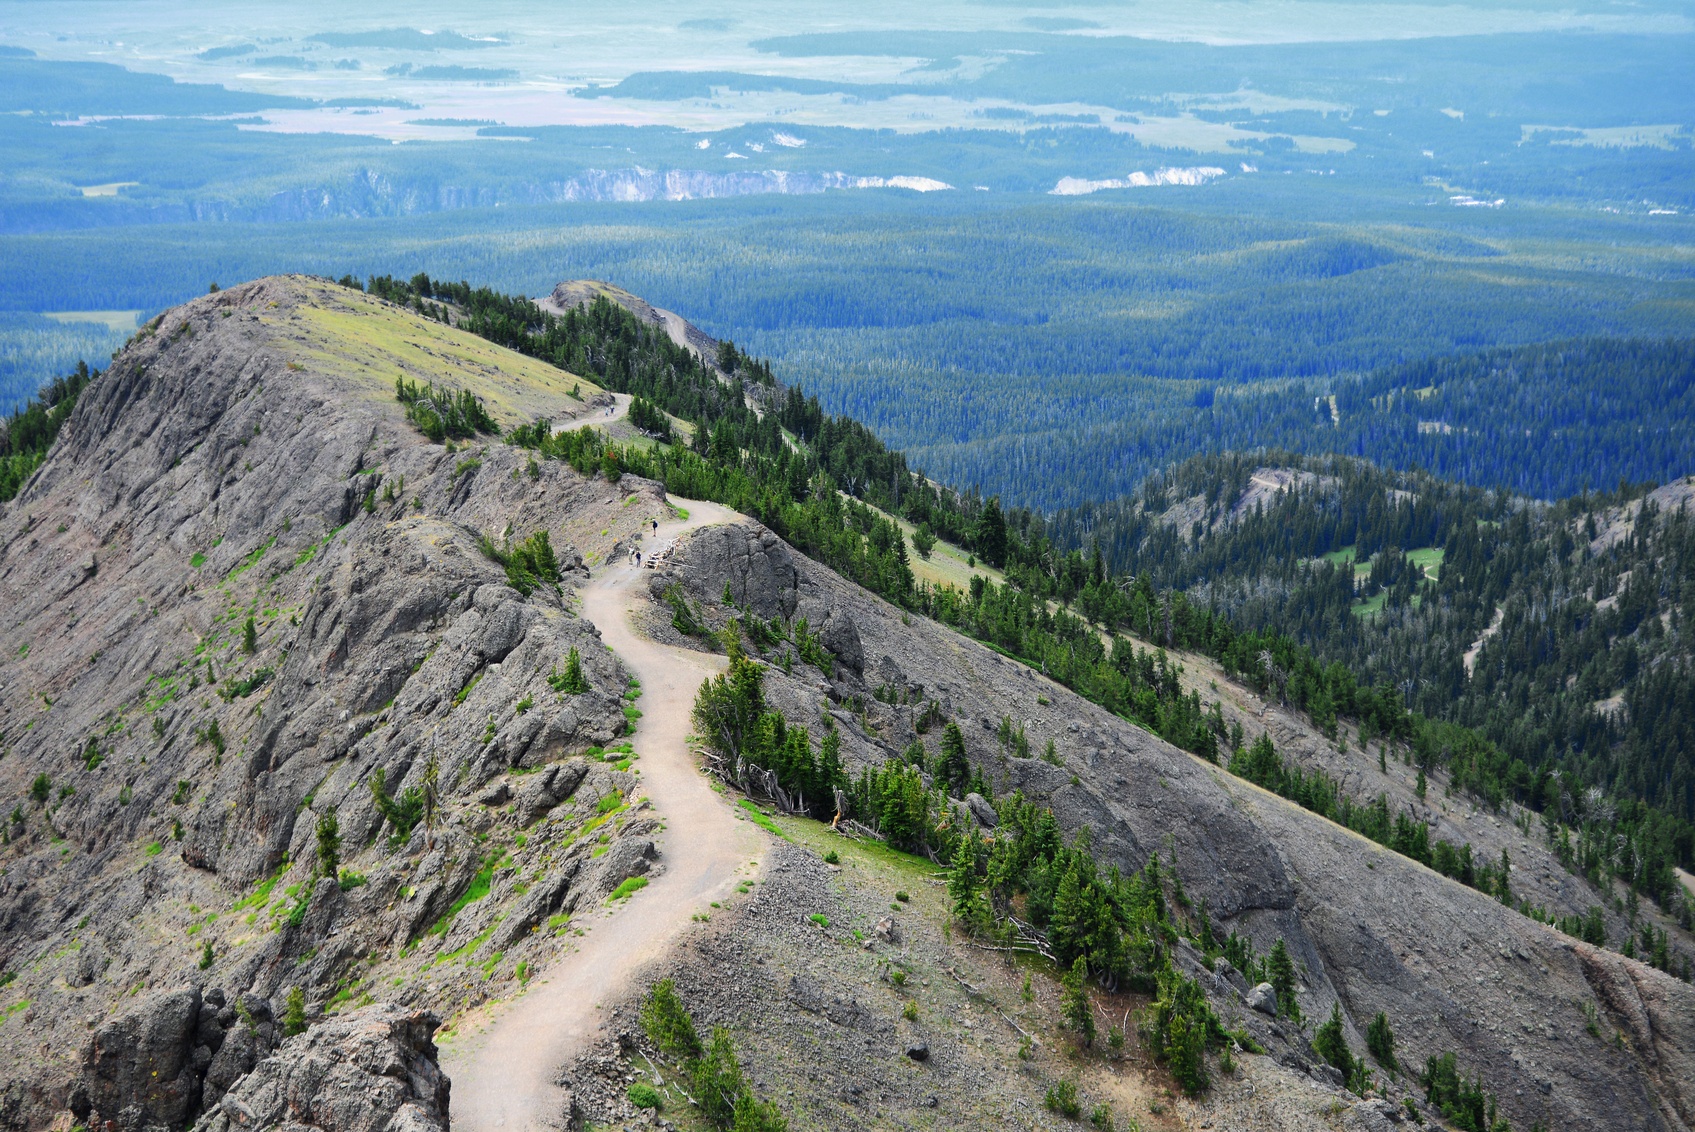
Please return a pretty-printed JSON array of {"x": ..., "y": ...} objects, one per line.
[{"x": 392, "y": 634}]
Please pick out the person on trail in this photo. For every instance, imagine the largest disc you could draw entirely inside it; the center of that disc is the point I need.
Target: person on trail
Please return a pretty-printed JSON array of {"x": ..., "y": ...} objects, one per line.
[
  {"x": 638, "y": 560},
  {"x": 656, "y": 526}
]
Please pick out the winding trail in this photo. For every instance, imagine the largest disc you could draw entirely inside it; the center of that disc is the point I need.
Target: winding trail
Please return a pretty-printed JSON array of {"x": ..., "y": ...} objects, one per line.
[{"x": 504, "y": 1077}]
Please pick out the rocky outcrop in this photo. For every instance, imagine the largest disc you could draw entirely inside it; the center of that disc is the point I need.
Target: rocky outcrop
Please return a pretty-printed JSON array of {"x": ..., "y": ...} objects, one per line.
[
  {"x": 245, "y": 458},
  {"x": 159, "y": 1063},
  {"x": 373, "y": 1070}
]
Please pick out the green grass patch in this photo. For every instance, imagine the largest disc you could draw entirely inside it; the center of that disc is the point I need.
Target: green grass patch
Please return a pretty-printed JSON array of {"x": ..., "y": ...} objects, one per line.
[
  {"x": 251, "y": 560},
  {"x": 197, "y": 560},
  {"x": 260, "y": 894},
  {"x": 1370, "y": 607},
  {"x": 466, "y": 690},
  {"x": 153, "y": 849},
  {"x": 1428, "y": 559},
  {"x": 763, "y": 820},
  {"x": 628, "y": 889},
  {"x": 478, "y": 889}
]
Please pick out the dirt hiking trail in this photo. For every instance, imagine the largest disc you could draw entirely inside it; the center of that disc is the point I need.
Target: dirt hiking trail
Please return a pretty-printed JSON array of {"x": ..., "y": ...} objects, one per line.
[{"x": 504, "y": 1074}]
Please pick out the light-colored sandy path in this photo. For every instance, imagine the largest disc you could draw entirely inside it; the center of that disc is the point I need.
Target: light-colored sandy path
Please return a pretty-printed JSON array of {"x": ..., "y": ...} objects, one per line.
[
  {"x": 600, "y": 418},
  {"x": 504, "y": 1075}
]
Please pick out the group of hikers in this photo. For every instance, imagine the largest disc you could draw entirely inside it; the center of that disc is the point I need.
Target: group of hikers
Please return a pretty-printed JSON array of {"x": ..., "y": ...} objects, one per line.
[{"x": 635, "y": 552}]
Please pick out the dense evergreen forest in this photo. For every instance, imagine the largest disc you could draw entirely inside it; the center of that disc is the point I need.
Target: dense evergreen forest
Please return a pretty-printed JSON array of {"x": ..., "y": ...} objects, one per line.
[
  {"x": 29, "y": 432},
  {"x": 986, "y": 352},
  {"x": 1551, "y": 641}
]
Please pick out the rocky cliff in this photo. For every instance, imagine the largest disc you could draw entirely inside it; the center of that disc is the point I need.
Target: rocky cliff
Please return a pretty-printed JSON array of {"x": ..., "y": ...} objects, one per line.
[{"x": 241, "y": 587}]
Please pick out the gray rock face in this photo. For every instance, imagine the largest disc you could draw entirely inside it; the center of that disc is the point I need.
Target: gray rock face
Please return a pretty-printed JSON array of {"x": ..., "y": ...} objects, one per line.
[
  {"x": 158, "y": 1063},
  {"x": 1447, "y": 964},
  {"x": 1263, "y": 998},
  {"x": 546, "y": 789},
  {"x": 143, "y": 1062},
  {"x": 982, "y": 810},
  {"x": 373, "y": 1070},
  {"x": 236, "y": 462}
]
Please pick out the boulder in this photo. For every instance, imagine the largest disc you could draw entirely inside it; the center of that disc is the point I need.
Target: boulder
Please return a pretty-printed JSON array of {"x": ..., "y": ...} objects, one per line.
[
  {"x": 625, "y": 858},
  {"x": 549, "y": 787},
  {"x": 143, "y": 1061},
  {"x": 982, "y": 811},
  {"x": 373, "y": 1070},
  {"x": 1263, "y": 998},
  {"x": 841, "y": 636}
]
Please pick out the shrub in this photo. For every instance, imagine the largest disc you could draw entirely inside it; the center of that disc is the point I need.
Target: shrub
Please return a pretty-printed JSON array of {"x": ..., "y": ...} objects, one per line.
[
  {"x": 643, "y": 1095},
  {"x": 832, "y": 858},
  {"x": 41, "y": 789},
  {"x": 207, "y": 957},
  {"x": 294, "y": 1012},
  {"x": 717, "y": 1079},
  {"x": 1380, "y": 1041},
  {"x": 402, "y": 813},
  {"x": 909, "y": 1011},
  {"x": 754, "y": 1115},
  {"x": 571, "y": 682},
  {"x": 211, "y": 733},
  {"x": 667, "y": 1023},
  {"x": 683, "y": 618},
  {"x": 1062, "y": 1098}
]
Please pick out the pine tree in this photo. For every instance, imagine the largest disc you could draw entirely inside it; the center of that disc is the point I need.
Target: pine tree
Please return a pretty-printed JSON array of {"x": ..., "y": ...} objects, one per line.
[
  {"x": 1380, "y": 1041},
  {"x": 667, "y": 1024},
  {"x": 329, "y": 845},
  {"x": 964, "y": 887},
  {"x": 1281, "y": 971},
  {"x": 294, "y": 1013},
  {"x": 249, "y": 637},
  {"x": 953, "y": 769},
  {"x": 573, "y": 683},
  {"x": 989, "y": 538},
  {"x": 1079, "y": 1012},
  {"x": 1331, "y": 1044}
]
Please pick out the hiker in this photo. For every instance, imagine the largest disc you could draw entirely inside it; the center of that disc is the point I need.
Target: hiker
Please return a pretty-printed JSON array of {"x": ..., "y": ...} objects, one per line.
[
  {"x": 656, "y": 526},
  {"x": 638, "y": 560}
]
